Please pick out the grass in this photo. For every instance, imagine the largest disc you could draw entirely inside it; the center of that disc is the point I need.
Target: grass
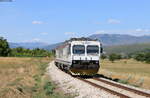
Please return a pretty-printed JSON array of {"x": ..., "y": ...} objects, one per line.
[
  {"x": 26, "y": 78},
  {"x": 128, "y": 71}
]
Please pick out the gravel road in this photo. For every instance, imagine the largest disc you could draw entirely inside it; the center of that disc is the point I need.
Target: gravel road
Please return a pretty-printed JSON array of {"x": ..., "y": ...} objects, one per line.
[{"x": 73, "y": 86}]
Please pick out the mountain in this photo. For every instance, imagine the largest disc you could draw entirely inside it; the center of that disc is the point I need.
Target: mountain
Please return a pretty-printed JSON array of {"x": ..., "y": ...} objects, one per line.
[
  {"x": 52, "y": 46},
  {"x": 114, "y": 40},
  {"x": 127, "y": 49},
  {"x": 119, "y": 39},
  {"x": 30, "y": 45},
  {"x": 106, "y": 39}
]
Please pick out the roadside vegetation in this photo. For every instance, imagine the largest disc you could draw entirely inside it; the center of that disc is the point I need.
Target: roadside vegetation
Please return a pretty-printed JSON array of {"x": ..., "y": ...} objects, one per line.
[
  {"x": 26, "y": 78},
  {"x": 22, "y": 52},
  {"x": 23, "y": 73},
  {"x": 127, "y": 71},
  {"x": 142, "y": 56},
  {"x": 130, "y": 68}
]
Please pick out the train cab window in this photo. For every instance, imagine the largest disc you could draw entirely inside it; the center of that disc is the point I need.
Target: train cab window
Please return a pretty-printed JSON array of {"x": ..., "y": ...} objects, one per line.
[
  {"x": 92, "y": 49},
  {"x": 78, "y": 49}
]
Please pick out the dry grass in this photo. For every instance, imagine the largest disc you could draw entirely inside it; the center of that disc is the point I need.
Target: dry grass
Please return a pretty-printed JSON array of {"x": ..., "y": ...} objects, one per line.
[
  {"x": 17, "y": 76},
  {"x": 136, "y": 73}
]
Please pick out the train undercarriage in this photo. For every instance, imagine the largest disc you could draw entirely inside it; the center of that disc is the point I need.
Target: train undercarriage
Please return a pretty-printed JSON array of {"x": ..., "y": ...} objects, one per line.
[{"x": 80, "y": 67}]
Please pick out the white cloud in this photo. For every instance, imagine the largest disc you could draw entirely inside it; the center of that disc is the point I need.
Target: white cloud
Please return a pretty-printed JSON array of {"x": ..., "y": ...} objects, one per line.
[
  {"x": 33, "y": 40},
  {"x": 136, "y": 32},
  {"x": 142, "y": 30},
  {"x": 100, "y": 32},
  {"x": 44, "y": 33},
  {"x": 113, "y": 21},
  {"x": 36, "y": 39},
  {"x": 69, "y": 33},
  {"x": 37, "y": 22}
]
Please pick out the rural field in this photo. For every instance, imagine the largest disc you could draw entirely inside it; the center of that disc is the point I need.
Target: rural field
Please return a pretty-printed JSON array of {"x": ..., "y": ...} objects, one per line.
[
  {"x": 22, "y": 77},
  {"x": 25, "y": 78},
  {"x": 128, "y": 71}
]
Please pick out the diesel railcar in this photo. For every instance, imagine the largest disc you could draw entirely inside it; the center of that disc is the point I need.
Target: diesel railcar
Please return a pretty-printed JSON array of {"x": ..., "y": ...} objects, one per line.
[{"x": 79, "y": 56}]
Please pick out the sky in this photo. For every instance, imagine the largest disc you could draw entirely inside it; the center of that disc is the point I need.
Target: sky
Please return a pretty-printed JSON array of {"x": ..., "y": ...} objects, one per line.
[{"x": 53, "y": 21}]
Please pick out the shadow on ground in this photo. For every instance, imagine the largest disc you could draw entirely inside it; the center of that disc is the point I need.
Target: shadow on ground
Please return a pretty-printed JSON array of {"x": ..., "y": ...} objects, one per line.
[{"x": 96, "y": 76}]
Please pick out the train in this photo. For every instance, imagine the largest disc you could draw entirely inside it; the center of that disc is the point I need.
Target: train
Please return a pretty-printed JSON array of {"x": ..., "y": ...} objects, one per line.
[{"x": 79, "y": 56}]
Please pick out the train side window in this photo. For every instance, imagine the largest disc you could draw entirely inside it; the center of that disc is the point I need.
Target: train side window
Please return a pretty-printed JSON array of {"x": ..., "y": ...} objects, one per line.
[
  {"x": 68, "y": 49},
  {"x": 101, "y": 50}
]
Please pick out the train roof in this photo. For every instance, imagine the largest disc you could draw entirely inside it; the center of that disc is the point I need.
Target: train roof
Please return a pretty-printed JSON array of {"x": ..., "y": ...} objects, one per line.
[
  {"x": 81, "y": 39},
  {"x": 75, "y": 39}
]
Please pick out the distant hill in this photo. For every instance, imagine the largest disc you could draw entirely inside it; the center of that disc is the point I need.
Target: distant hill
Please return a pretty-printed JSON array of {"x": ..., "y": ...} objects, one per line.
[
  {"x": 106, "y": 39},
  {"x": 29, "y": 45},
  {"x": 126, "y": 49},
  {"x": 52, "y": 46},
  {"x": 120, "y": 39},
  {"x": 114, "y": 40}
]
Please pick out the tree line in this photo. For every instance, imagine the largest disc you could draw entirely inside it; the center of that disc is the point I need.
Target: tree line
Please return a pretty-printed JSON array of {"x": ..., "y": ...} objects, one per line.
[
  {"x": 5, "y": 51},
  {"x": 143, "y": 56}
]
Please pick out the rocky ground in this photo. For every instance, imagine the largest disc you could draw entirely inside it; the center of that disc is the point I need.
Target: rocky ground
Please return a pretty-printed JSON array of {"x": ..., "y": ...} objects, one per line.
[{"x": 75, "y": 87}]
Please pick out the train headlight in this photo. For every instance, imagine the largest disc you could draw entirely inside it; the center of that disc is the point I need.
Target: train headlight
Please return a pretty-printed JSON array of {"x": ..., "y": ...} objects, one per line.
[
  {"x": 97, "y": 62},
  {"x": 74, "y": 62}
]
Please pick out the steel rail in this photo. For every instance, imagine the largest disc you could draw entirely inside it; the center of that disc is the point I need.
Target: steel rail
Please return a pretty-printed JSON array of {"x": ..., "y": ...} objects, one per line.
[
  {"x": 124, "y": 87},
  {"x": 104, "y": 88}
]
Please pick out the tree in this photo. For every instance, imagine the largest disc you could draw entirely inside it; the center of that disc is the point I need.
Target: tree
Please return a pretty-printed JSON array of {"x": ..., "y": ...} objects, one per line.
[
  {"x": 143, "y": 56},
  {"x": 140, "y": 57},
  {"x": 113, "y": 57},
  {"x": 4, "y": 47},
  {"x": 103, "y": 56},
  {"x": 147, "y": 57}
]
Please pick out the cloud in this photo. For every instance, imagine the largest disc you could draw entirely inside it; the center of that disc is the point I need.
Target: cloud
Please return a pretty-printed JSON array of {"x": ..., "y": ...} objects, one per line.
[
  {"x": 36, "y": 39},
  {"x": 37, "y": 22},
  {"x": 136, "y": 32},
  {"x": 69, "y": 33},
  {"x": 44, "y": 33},
  {"x": 142, "y": 30},
  {"x": 100, "y": 32},
  {"x": 33, "y": 40},
  {"x": 113, "y": 21}
]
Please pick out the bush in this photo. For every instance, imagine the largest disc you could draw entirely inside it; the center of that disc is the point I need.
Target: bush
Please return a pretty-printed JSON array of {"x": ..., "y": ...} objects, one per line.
[
  {"x": 22, "y": 52},
  {"x": 103, "y": 56},
  {"x": 48, "y": 87},
  {"x": 113, "y": 57},
  {"x": 144, "y": 57}
]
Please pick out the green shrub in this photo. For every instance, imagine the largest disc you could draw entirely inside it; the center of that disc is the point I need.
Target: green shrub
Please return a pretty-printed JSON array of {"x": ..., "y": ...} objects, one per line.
[
  {"x": 113, "y": 57},
  {"x": 48, "y": 88}
]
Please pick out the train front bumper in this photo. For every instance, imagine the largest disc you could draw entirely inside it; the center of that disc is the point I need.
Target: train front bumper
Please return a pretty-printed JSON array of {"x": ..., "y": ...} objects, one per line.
[{"x": 85, "y": 67}]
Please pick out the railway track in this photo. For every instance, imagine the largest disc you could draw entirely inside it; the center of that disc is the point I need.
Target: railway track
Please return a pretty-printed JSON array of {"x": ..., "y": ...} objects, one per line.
[
  {"x": 124, "y": 87},
  {"x": 118, "y": 89},
  {"x": 104, "y": 88},
  {"x": 115, "y": 88}
]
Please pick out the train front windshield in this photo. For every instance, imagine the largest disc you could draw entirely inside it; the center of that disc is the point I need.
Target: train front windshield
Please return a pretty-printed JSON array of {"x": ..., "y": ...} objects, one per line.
[
  {"x": 78, "y": 49},
  {"x": 92, "y": 49}
]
